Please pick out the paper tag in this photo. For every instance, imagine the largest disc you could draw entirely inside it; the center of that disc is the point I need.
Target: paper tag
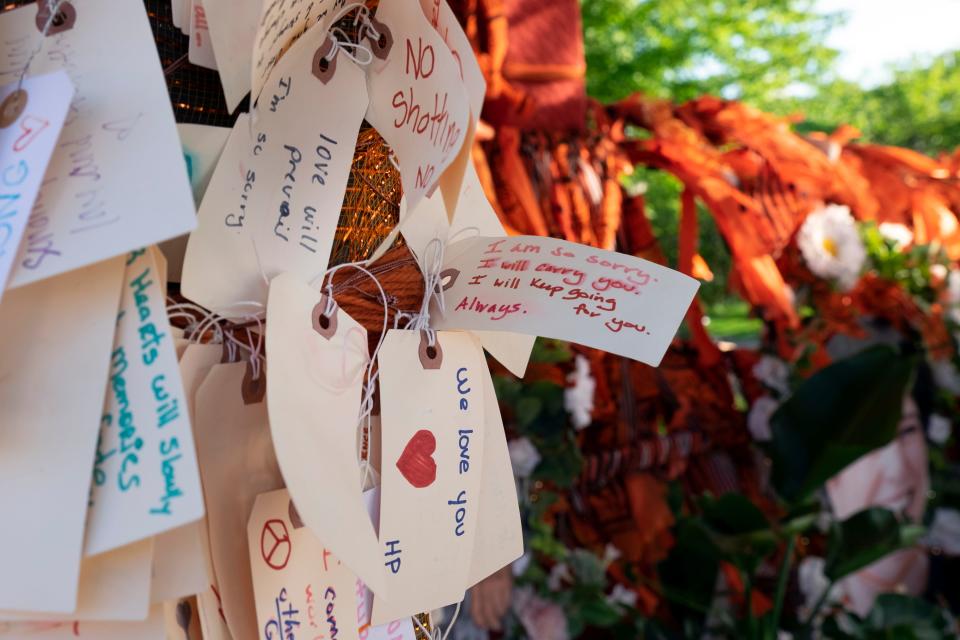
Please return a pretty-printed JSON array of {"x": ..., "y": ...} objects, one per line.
[
  {"x": 176, "y": 13},
  {"x": 26, "y": 146},
  {"x": 149, "y": 629},
  {"x": 220, "y": 266},
  {"x": 317, "y": 367},
  {"x": 499, "y": 539},
  {"x": 306, "y": 157},
  {"x": 400, "y": 629},
  {"x": 443, "y": 19},
  {"x": 559, "y": 289},
  {"x": 179, "y": 567},
  {"x": 186, "y": 7},
  {"x": 53, "y": 372},
  {"x": 475, "y": 216},
  {"x": 202, "y": 146},
  {"x": 200, "y": 51},
  {"x": 181, "y": 619},
  {"x": 100, "y": 196},
  {"x": 281, "y": 23},
  {"x": 237, "y": 465},
  {"x": 145, "y": 476},
  {"x": 432, "y": 407},
  {"x": 233, "y": 29},
  {"x": 417, "y": 100},
  {"x": 113, "y": 586},
  {"x": 300, "y": 586}
]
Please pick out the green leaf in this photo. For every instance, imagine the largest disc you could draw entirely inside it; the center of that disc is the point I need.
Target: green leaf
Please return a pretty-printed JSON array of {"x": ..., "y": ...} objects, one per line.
[
  {"x": 528, "y": 408},
  {"x": 587, "y": 569},
  {"x": 732, "y": 513},
  {"x": 839, "y": 414},
  {"x": 864, "y": 538},
  {"x": 894, "y": 613},
  {"x": 597, "y": 612}
]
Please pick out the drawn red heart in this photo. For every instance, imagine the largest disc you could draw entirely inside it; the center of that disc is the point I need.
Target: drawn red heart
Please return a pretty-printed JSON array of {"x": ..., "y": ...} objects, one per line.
[
  {"x": 31, "y": 127},
  {"x": 416, "y": 463}
]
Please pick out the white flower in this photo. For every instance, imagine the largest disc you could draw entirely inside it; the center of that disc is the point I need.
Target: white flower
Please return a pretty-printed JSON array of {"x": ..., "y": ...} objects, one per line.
[
  {"x": 953, "y": 286},
  {"x": 945, "y": 531},
  {"x": 758, "y": 420},
  {"x": 898, "y": 234},
  {"x": 523, "y": 456},
  {"x": 938, "y": 272},
  {"x": 813, "y": 582},
  {"x": 610, "y": 555},
  {"x": 578, "y": 398},
  {"x": 831, "y": 245},
  {"x": 520, "y": 564},
  {"x": 939, "y": 429},
  {"x": 622, "y": 596},
  {"x": 773, "y": 373},
  {"x": 559, "y": 574},
  {"x": 946, "y": 376}
]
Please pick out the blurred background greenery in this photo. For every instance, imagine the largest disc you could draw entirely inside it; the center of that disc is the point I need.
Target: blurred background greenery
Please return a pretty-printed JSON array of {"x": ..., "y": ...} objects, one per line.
[{"x": 779, "y": 56}]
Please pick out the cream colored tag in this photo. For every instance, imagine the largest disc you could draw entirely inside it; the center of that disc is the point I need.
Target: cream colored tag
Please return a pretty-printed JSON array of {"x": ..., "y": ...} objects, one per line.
[
  {"x": 442, "y": 18},
  {"x": 499, "y": 539},
  {"x": 179, "y": 567},
  {"x": 181, "y": 619},
  {"x": 475, "y": 216},
  {"x": 150, "y": 629},
  {"x": 145, "y": 476},
  {"x": 100, "y": 198},
  {"x": 220, "y": 266},
  {"x": 233, "y": 28},
  {"x": 281, "y": 23},
  {"x": 559, "y": 289},
  {"x": 55, "y": 340},
  {"x": 417, "y": 100},
  {"x": 306, "y": 158},
  {"x": 113, "y": 586},
  {"x": 238, "y": 464},
  {"x": 432, "y": 407},
  {"x": 317, "y": 367},
  {"x": 301, "y": 589}
]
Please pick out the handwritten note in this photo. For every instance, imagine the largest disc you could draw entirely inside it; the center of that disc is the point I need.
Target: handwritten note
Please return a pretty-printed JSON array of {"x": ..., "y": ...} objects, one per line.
[
  {"x": 200, "y": 51},
  {"x": 317, "y": 367},
  {"x": 281, "y": 23},
  {"x": 233, "y": 29},
  {"x": 26, "y": 146},
  {"x": 306, "y": 156},
  {"x": 558, "y": 289},
  {"x": 145, "y": 476},
  {"x": 301, "y": 588},
  {"x": 150, "y": 629},
  {"x": 232, "y": 426},
  {"x": 53, "y": 374},
  {"x": 432, "y": 405},
  {"x": 117, "y": 179},
  {"x": 417, "y": 100}
]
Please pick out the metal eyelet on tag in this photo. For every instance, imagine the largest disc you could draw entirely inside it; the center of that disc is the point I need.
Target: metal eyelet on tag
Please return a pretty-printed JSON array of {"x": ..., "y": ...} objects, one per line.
[
  {"x": 253, "y": 390},
  {"x": 431, "y": 356},
  {"x": 448, "y": 278},
  {"x": 382, "y": 45},
  {"x": 63, "y": 19},
  {"x": 12, "y": 107},
  {"x": 325, "y": 325},
  {"x": 324, "y": 67}
]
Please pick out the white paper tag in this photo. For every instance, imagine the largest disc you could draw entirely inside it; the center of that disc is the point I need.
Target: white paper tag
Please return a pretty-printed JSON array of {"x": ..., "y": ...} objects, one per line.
[
  {"x": 317, "y": 367},
  {"x": 306, "y": 157},
  {"x": 499, "y": 539},
  {"x": 149, "y": 629},
  {"x": 417, "y": 100},
  {"x": 113, "y": 586},
  {"x": 220, "y": 266},
  {"x": 432, "y": 437},
  {"x": 281, "y": 23},
  {"x": 176, "y": 12},
  {"x": 200, "y": 51},
  {"x": 559, "y": 289},
  {"x": 475, "y": 216},
  {"x": 202, "y": 146},
  {"x": 237, "y": 464},
  {"x": 179, "y": 566},
  {"x": 145, "y": 476},
  {"x": 100, "y": 198},
  {"x": 26, "y": 147},
  {"x": 53, "y": 373},
  {"x": 300, "y": 586},
  {"x": 233, "y": 29}
]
